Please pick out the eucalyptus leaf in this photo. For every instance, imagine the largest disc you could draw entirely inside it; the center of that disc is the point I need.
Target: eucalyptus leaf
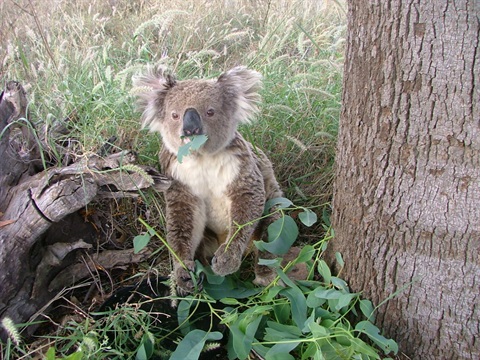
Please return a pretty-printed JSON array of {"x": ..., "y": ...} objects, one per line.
[
  {"x": 306, "y": 254},
  {"x": 145, "y": 350},
  {"x": 192, "y": 344},
  {"x": 361, "y": 347},
  {"x": 229, "y": 288},
  {"x": 282, "y": 233},
  {"x": 344, "y": 300},
  {"x": 298, "y": 303},
  {"x": 323, "y": 293},
  {"x": 196, "y": 141},
  {"x": 212, "y": 278},
  {"x": 339, "y": 283},
  {"x": 276, "y": 331},
  {"x": 367, "y": 309},
  {"x": 230, "y": 301},
  {"x": 308, "y": 217},
  {"x": 282, "y": 312},
  {"x": 281, "y": 351},
  {"x": 242, "y": 340},
  {"x": 319, "y": 330},
  {"x": 279, "y": 203},
  {"x": 140, "y": 242},
  {"x": 270, "y": 262},
  {"x": 373, "y": 332},
  {"x": 314, "y": 301},
  {"x": 324, "y": 270},
  {"x": 339, "y": 258},
  {"x": 271, "y": 293},
  {"x": 183, "y": 313},
  {"x": 310, "y": 351}
]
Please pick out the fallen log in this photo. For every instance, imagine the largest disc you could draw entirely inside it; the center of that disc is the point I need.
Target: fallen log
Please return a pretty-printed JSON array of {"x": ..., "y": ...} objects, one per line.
[{"x": 40, "y": 197}]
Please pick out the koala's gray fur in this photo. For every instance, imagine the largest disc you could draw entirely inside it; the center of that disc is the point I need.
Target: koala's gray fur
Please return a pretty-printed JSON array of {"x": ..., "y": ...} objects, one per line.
[{"x": 220, "y": 186}]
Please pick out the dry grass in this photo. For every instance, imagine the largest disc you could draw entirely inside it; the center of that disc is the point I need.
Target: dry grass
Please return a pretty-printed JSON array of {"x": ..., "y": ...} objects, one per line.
[{"x": 79, "y": 56}]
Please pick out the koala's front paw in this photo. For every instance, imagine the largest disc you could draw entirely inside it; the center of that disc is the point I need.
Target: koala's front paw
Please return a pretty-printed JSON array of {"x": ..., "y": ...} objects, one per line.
[
  {"x": 183, "y": 279},
  {"x": 226, "y": 262}
]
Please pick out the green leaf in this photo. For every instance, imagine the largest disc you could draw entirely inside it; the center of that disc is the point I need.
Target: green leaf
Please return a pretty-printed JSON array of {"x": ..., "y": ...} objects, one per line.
[
  {"x": 282, "y": 233},
  {"x": 281, "y": 351},
  {"x": 298, "y": 303},
  {"x": 340, "y": 283},
  {"x": 229, "y": 288},
  {"x": 242, "y": 340},
  {"x": 230, "y": 301},
  {"x": 326, "y": 213},
  {"x": 310, "y": 352},
  {"x": 367, "y": 328},
  {"x": 310, "y": 319},
  {"x": 77, "y": 355},
  {"x": 50, "y": 354},
  {"x": 314, "y": 301},
  {"x": 276, "y": 331},
  {"x": 306, "y": 254},
  {"x": 270, "y": 262},
  {"x": 363, "y": 348},
  {"x": 195, "y": 143},
  {"x": 279, "y": 203},
  {"x": 282, "y": 312},
  {"x": 272, "y": 293},
  {"x": 308, "y": 217},
  {"x": 318, "y": 330},
  {"x": 140, "y": 241},
  {"x": 366, "y": 307},
  {"x": 212, "y": 278},
  {"x": 344, "y": 300},
  {"x": 192, "y": 345},
  {"x": 323, "y": 293},
  {"x": 339, "y": 258},
  {"x": 183, "y": 312},
  {"x": 260, "y": 349},
  {"x": 145, "y": 350},
  {"x": 324, "y": 270}
]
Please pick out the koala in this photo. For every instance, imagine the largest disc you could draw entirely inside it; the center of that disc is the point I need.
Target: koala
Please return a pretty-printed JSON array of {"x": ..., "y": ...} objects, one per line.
[{"x": 218, "y": 192}]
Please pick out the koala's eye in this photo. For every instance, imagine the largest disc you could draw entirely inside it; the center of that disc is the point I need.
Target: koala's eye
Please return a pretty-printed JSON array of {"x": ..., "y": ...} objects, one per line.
[
  {"x": 210, "y": 112},
  {"x": 174, "y": 115}
]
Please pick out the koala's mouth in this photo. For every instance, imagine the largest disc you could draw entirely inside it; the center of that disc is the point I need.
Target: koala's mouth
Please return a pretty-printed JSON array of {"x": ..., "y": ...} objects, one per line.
[
  {"x": 186, "y": 139},
  {"x": 192, "y": 143}
]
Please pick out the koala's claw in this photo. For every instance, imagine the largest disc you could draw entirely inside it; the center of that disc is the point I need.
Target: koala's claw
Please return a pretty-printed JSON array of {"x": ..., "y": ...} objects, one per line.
[
  {"x": 184, "y": 281},
  {"x": 225, "y": 262}
]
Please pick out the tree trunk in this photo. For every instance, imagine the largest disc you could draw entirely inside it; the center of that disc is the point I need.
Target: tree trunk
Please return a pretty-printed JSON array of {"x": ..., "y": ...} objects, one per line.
[
  {"x": 39, "y": 227},
  {"x": 406, "y": 207}
]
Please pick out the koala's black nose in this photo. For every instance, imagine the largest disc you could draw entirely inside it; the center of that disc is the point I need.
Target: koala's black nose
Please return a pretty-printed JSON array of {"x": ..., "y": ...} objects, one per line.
[{"x": 192, "y": 124}]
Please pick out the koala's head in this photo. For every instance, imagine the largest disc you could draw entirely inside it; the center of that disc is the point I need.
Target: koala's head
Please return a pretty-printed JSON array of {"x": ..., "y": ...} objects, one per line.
[{"x": 178, "y": 109}]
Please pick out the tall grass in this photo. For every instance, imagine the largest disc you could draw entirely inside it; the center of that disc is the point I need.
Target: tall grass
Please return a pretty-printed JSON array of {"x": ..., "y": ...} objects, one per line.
[{"x": 78, "y": 57}]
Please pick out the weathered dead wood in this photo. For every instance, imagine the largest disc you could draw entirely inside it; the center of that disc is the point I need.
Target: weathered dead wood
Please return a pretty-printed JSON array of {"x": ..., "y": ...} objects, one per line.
[{"x": 34, "y": 201}]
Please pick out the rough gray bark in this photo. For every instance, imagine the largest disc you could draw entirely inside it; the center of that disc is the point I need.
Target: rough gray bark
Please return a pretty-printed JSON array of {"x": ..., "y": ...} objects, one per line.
[
  {"x": 36, "y": 241},
  {"x": 407, "y": 195}
]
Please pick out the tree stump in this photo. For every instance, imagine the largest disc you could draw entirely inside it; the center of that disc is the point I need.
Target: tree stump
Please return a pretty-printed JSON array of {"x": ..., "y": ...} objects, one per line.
[{"x": 40, "y": 234}]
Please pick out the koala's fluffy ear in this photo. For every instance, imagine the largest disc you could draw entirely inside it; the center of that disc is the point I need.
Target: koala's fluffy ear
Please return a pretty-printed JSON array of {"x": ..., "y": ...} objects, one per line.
[
  {"x": 151, "y": 89},
  {"x": 241, "y": 86}
]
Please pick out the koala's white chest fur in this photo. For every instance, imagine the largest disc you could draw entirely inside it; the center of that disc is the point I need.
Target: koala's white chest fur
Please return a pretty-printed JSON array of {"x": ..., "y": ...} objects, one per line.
[{"x": 208, "y": 178}]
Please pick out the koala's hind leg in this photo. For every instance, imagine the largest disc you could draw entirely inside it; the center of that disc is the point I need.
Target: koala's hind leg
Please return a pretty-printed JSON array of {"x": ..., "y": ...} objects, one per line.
[
  {"x": 265, "y": 275},
  {"x": 186, "y": 219},
  {"x": 247, "y": 200}
]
